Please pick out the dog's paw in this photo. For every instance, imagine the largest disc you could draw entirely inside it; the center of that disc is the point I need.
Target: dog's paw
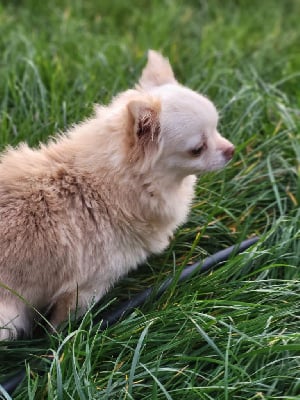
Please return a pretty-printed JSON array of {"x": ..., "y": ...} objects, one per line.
[{"x": 8, "y": 333}]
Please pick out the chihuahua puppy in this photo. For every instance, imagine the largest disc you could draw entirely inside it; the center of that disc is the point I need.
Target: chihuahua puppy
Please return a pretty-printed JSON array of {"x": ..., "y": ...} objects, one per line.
[{"x": 80, "y": 212}]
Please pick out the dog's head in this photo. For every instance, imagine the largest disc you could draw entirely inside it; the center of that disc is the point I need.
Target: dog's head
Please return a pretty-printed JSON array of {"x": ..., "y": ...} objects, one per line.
[{"x": 173, "y": 126}]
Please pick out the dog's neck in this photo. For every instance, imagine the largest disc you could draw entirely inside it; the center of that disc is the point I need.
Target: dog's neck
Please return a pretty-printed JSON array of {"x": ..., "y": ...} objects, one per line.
[{"x": 163, "y": 198}]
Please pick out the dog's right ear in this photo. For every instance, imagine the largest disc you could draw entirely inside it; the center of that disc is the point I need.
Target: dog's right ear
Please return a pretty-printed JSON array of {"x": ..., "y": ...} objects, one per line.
[
  {"x": 144, "y": 132},
  {"x": 157, "y": 71},
  {"x": 145, "y": 121}
]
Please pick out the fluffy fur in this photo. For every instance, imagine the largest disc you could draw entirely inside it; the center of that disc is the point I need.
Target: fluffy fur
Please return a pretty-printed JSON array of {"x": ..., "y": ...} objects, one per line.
[{"x": 80, "y": 212}]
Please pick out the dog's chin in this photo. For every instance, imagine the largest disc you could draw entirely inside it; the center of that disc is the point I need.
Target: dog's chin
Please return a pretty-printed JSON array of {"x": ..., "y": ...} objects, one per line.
[
  {"x": 183, "y": 172},
  {"x": 213, "y": 167}
]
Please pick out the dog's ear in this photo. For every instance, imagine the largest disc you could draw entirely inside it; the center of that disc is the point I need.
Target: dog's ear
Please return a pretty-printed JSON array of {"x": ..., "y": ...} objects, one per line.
[
  {"x": 157, "y": 71},
  {"x": 145, "y": 117}
]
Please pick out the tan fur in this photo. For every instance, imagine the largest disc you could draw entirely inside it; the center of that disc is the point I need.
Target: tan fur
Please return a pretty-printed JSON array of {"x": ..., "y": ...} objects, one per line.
[{"x": 80, "y": 212}]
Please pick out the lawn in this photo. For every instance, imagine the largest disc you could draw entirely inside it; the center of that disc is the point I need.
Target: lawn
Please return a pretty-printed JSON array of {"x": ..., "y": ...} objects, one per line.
[{"x": 233, "y": 333}]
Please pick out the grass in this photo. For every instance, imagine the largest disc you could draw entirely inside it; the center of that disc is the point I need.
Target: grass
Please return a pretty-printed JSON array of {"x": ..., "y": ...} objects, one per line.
[{"x": 233, "y": 333}]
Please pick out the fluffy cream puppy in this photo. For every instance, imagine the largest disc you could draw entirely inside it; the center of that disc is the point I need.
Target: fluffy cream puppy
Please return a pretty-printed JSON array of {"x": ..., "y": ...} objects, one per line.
[{"x": 80, "y": 212}]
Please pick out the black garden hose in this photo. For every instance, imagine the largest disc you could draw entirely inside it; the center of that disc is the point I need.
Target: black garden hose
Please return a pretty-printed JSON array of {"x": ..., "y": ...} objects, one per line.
[
  {"x": 199, "y": 267},
  {"x": 13, "y": 382},
  {"x": 124, "y": 308}
]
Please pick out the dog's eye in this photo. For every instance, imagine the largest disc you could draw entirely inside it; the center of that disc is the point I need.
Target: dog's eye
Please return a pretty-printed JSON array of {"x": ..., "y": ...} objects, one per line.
[{"x": 197, "y": 151}]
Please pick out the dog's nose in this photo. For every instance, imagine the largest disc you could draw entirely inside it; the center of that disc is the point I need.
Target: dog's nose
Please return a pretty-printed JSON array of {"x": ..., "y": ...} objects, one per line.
[{"x": 229, "y": 152}]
